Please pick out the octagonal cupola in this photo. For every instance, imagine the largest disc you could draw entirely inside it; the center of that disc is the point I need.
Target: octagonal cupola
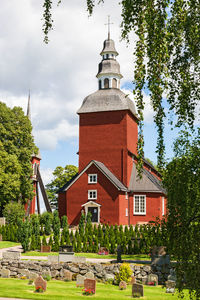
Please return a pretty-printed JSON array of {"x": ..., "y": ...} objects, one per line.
[{"x": 109, "y": 69}]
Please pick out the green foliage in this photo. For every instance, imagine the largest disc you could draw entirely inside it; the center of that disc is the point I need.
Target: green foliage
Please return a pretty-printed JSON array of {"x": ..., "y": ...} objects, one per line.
[
  {"x": 124, "y": 274},
  {"x": 12, "y": 211},
  {"x": 46, "y": 277},
  {"x": 24, "y": 233},
  {"x": 35, "y": 228},
  {"x": 61, "y": 176},
  {"x": 182, "y": 180},
  {"x": 50, "y": 243},
  {"x": 56, "y": 223},
  {"x": 64, "y": 222},
  {"x": 33, "y": 243},
  {"x": 44, "y": 241},
  {"x": 46, "y": 220},
  {"x": 81, "y": 224},
  {"x": 16, "y": 148}
]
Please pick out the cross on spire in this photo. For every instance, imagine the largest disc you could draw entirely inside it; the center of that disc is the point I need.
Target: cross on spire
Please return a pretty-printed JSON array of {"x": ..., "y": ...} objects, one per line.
[{"x": 108, "y": 26}]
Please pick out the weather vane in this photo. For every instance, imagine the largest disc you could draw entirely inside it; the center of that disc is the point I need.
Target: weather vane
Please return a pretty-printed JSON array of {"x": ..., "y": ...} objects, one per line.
[{"x": 108, "y": 26}]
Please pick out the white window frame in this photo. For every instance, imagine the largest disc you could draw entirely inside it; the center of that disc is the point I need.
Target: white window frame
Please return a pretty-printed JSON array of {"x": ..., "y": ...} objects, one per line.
[
  {"x": 92, "y": 197},
  {"x": 90, "y": 178},
  {"x": 163, "y": 206},
  {"x": 126, "y": 212},
  {"x": 143, "y": 213}
]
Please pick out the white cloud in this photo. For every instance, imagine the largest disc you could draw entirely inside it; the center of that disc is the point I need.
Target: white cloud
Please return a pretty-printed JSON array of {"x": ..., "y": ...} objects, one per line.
[{"x": 46, "y": 175}]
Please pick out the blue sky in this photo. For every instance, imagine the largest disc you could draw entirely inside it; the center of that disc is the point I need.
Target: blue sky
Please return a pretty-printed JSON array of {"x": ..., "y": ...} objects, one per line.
[{"x": 61, "y": 74}]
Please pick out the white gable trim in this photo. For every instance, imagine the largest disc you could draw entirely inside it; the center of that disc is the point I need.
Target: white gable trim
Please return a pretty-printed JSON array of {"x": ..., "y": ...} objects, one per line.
[
  {"x": 83, "y": 171},
  {"x": 91, "y": 203}
]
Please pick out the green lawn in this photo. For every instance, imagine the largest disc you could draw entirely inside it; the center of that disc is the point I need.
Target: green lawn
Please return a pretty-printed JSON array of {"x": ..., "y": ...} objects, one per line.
[
  {"x": 6, "y": 244},
  {"x": 92, "y": 255},
  {"x": 59, "y": 290}
]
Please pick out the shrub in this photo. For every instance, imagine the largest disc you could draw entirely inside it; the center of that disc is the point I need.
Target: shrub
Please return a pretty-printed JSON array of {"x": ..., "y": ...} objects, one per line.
[
  {"x": 124, "y": 274},
  {"x": 46, "y": 277},
  {"x": 13, "y": 211}
]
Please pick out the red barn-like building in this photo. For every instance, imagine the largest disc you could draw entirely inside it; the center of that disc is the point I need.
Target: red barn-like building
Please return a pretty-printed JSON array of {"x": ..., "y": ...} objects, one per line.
[{"x": 107, "y": 184}]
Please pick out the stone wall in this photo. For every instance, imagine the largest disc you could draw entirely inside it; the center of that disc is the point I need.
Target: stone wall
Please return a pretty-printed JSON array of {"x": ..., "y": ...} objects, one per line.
[{"x": 102, "y": 272}]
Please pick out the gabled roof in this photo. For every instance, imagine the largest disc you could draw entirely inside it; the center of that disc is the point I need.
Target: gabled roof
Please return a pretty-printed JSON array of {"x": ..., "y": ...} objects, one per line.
[
  {"x": 148, "y": 182},
  {"x": 115, "y": 181}
]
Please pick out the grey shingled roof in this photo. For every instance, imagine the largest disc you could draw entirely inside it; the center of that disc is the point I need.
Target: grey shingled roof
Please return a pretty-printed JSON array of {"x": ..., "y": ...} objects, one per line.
[
  {"x": 119, "y": 185},
  {"x": 109, "y": 66},
  {"x": 107, "y": 100},
  {"x": 110, "y": 176},
  {"x": 148, "y": 182},
  {"x": 109, "y": 47}
]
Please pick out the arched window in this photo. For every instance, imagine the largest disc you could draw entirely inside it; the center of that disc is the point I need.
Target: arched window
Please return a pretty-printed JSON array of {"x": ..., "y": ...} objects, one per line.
[
  {"x": 107, "y": 56},
  {"x": 106, "y": 83},
  {"x": 114, "y": 83},
  {"x": 99, "y": 84}
]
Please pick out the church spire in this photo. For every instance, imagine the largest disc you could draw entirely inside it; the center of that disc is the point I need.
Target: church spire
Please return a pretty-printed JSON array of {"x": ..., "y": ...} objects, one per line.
[
  {"x": 109, "y": 69},
  {"x": 108, "y": 27},
  {"x": 29, "y": 107}
]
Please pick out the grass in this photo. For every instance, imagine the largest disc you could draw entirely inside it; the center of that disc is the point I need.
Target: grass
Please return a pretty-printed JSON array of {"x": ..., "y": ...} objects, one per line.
[
  {"x": 92, "y": 255},
  {"x": 59, "y": 290},
  {"x": 6, "y": 244}
]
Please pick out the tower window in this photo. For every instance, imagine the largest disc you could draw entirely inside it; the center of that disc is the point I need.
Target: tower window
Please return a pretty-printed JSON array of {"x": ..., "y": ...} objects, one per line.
[
  {"x": 114, "y": 83},
  {"x": 107, "y": 56},
  {"x": 106, "y": 83},
  {"x": 99, "y": 84},
  {"x": 92, "y": 194},
  {"x": 92, "y": 178}
]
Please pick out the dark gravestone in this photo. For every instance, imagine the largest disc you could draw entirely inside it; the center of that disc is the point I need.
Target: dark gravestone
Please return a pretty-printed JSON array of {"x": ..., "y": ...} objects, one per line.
[
  {"x": 90, "y": 284},
  {"x": 137, "y": 290},
  {"x": 119, "y": 254},
  {"x": 66, "y": 249},
  {"x": 45, "y": 248}
]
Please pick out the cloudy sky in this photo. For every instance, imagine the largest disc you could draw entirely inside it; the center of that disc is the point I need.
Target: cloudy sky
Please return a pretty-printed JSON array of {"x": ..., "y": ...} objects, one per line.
[{"x": 60, "y": 74}]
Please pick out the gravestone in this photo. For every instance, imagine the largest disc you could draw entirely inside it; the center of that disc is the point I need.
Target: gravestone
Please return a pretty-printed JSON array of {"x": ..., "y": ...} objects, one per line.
[
  {"x": 66, "y": 249},
  {"x": 137, "y": 290},
  {"x": 119, "y": 254},
  {"x": 152, "y": 278},
  {"x": 170, "y": 286},
  {"x": 133, "y": 280},
  {"x": 172, "y": 275},
  {"x": 90, "y": 284},
  {"x": 2, "y": 221},
  {"x": 52, "y": 259},
  {"x": 80, "y": 280},
  {"x": 40, "y": 282},
  {"x": 122, "y": 285},
  {"x": 5, "y": 273},
  {"x": 25, "y": 272},
  {"x": 67, "y": 275},
  {"x": 11, "y": 255},
  {"x": 45, "y": 248},
  {"x": 33, "y": 276},
  {"x": 65, "y": 257},
  {"x": 89, "y": 275}
]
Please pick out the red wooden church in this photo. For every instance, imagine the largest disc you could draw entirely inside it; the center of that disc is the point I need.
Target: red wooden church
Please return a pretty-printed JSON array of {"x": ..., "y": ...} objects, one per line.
[{"x": 107, "y": 184}]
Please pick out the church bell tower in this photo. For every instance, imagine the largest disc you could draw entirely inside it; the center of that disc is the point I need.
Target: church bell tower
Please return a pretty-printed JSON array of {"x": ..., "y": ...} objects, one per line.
[{"x": 108, "y": 129}]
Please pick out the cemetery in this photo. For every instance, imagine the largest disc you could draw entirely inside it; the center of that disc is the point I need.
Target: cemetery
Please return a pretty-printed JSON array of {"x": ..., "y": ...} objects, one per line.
[{"x": 82, "y": 277}]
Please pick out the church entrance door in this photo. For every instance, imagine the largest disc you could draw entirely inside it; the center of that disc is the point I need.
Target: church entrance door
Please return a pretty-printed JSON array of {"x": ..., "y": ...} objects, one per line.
[{"x": 94, "y": 213}]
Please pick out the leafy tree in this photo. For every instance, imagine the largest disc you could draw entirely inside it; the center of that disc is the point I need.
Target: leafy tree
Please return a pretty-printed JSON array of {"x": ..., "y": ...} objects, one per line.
[
  {"x": 24, "y": 233},
  {"x": 64, "y": 222},
  {"x": 44, "y": 241},
  {"x": 12, "y": 211},
  {"x": 50, "y": 243},
  {"x": 46, "y": 220},
  {"x": 16, "y": 148},
  {"x": 81, "y": 224},
  {"x": 182, "y": 180},
  {"x": 166, "y": 58},
  {"x": 61, "y": 176}
]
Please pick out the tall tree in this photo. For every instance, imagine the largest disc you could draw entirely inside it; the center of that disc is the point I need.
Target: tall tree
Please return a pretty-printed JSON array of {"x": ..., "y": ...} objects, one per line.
[
  {"x": 167, "y": 59},
  {"x": 61, "y": 176},
  {"x": 16, "y": 148},
  {"x": 182, "y": 180}
]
